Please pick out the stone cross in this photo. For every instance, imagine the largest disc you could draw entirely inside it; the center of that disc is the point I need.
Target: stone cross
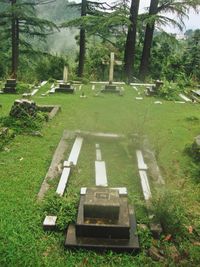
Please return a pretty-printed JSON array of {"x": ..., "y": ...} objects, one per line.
[
  {"x": 65, "y": 74},
  {"x": 112, "y": 63}
]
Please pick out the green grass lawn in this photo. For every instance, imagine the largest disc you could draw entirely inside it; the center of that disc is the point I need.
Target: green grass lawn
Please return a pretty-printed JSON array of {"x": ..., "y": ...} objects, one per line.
[{"x": 24, "y": 163}]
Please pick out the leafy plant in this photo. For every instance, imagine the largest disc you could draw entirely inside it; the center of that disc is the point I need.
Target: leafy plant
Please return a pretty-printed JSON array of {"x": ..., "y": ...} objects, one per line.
[
  {"x": 64, "y": 208},
  {"x": 169, "y": 91},
  {"x": 171, "y": 214}
]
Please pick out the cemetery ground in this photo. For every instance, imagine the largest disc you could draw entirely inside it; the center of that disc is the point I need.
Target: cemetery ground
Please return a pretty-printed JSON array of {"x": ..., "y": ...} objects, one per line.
[{"x": 25, "y": 160}]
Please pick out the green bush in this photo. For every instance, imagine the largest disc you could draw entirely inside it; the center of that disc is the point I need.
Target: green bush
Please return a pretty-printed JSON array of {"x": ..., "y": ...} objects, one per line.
[
  {"x": 23, "y": 88},
  {"x": 64, "y": 208},
  {"x": 171, "y": 213},
  {"x": 169, "y": 91},
  {"x": 25, "y": 124}
]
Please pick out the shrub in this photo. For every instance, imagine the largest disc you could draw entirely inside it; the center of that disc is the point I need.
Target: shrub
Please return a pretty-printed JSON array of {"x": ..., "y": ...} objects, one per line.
[
  {"x": 169, "y": 91},
  {"x": 171, "y": 213}
]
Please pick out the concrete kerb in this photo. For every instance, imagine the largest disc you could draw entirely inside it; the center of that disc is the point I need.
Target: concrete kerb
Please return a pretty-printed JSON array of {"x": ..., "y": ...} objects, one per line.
[{"x": 58, "y": 157}]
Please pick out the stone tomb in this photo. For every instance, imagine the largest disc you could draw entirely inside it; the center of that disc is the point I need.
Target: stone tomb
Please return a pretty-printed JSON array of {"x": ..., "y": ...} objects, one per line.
[
  {"x": 10, "y": 86},
  {"x": 65, "y": 86},
  {"x": 104, "y": 221}
]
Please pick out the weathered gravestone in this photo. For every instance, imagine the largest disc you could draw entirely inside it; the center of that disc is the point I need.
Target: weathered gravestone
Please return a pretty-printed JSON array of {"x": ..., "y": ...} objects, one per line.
[
  {"x": 10, "y": 86},
  {"x": 65, "y": 86},
  {"x": 104, "y": 221},
  {"x": 111, "y": 87},
  {"x": 23, "y": 108}
]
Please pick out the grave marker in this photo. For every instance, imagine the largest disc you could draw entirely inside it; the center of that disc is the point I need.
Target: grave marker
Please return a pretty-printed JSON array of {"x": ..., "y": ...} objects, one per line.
[
  {"x": 104, "y": 221},
  {"x": 111, "y": 87},
  {"x": 65, "y": 87}
]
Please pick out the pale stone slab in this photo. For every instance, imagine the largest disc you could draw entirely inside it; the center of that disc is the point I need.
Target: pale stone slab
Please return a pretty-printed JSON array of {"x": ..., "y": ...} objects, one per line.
[
  {"x": 34, "y": 91},
  {"x": 142, "y": 84},
  {"x": 43, "y": 83},
  {"x": 49, "y": 221},
  {"x": 135, "y": 88},
  {"x": 98, "y": 155},
  {"x": 80, "y": 87},
  {"x": 106, "y": 82},
  {"x": 93, "y": 87},
  {"x": 52, "y": 90},
  {"x": 139, "y": 98},
  {"x": 73, "y": 157},
  {"x": 158, "y": 102},
  {"x": 122, "y": 190},
  {"x": 145, "y": 185},
  {"x": 185, "y": 98},
  {"x": 140, "y": 159},
  {"x": 179, "y": 102},
  {"x": 100, "y": 173},
  {"x": 57, "y": 158},
  {"x": 63, "y": 181}
]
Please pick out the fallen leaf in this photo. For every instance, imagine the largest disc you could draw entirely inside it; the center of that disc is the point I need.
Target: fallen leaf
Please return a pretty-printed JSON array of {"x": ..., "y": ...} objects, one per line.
[
  {"x": 196, "y": 243},
  {"x": 168, "y": 237}
]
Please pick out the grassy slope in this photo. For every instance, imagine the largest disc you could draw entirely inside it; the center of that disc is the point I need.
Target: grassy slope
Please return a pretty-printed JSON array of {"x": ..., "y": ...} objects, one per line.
[{"x": 22, "y": 240}]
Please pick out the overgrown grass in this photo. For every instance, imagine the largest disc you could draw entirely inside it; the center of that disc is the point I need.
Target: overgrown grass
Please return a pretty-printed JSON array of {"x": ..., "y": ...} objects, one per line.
[{"x": 24, "y": 165}]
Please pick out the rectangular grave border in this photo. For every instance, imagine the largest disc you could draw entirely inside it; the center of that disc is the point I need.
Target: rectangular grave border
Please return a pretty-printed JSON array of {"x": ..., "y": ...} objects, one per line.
[
  {"x": 154, "y": 227},
  {"x": 51, "y": 109}
]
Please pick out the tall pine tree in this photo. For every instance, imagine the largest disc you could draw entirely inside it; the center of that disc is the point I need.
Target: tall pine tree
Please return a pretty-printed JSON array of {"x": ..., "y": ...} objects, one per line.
[{"x": 20, "y": 23}]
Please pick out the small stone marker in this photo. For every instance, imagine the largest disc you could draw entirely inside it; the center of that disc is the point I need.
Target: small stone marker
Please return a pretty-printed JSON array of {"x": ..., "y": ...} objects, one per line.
[
  {"x": 139, "y": 98},
  {"x": 141, "y": 164},
  {"x": 100, "y": 173},
  {"x": 49, "y": 222}
]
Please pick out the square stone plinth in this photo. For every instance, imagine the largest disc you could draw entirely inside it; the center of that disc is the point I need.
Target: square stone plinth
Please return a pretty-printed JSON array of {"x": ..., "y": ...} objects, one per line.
[{"x": 102, "y": 203}]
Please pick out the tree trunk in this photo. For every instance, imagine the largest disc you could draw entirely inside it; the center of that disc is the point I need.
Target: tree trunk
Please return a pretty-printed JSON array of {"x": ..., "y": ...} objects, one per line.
[
  {"x": 15, "y": 42},
  {"x": 144, "y": 64},
  {"x": 82, "y": 41},
  {"x": 129, "y": 52}
]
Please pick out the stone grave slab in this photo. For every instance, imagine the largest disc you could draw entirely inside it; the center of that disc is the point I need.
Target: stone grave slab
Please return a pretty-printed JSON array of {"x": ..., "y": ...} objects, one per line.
[
  {"x": 145, "y": 185},
  {"x": 100, "y": 173},
  {"x": 63, "y": 181},
  {"x": 73, "y": 157},
  {"x": 140, "y": 160},
  {"x": 98, "y": 155}
]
